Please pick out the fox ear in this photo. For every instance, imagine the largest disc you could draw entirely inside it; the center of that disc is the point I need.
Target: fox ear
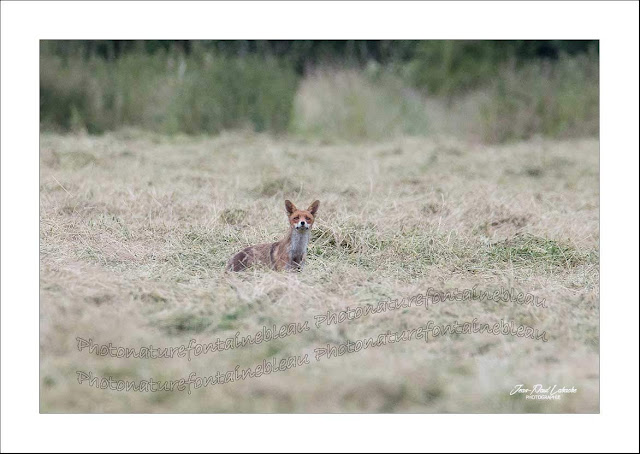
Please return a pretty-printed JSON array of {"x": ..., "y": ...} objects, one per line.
[
  {"x": 314, "y": 207},
  {"x": 290, "y": 207}
]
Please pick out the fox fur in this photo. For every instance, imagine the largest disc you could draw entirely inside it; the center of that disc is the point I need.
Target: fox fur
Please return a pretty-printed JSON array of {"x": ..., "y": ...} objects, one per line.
[{"x": 287, "y": 254}]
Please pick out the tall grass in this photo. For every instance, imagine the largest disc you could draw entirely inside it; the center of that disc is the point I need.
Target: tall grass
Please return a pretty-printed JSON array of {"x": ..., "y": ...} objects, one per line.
[
  {"x": 169, "y": 92},
  {"x": 166, "y": 92},
  {"x": 351, "y": 104},
  {"x": 554, "y": 99}
]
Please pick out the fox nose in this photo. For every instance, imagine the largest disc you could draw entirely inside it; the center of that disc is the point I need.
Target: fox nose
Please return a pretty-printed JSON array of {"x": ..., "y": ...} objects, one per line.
[{"x": 302, "y": 223}]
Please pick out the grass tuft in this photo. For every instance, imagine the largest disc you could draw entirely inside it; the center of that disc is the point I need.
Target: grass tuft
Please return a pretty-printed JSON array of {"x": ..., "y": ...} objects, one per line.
[
  {"x": 530, "y": 250},
  {"x": 185, "y": 322}
]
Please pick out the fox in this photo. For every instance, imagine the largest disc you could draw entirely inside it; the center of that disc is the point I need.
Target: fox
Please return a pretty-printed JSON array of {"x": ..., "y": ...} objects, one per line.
[{"x": 289, "y": 253}]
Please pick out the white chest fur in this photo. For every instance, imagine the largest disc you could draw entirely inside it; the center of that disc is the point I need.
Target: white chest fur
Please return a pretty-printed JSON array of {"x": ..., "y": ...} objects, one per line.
[{"x": 298, "y": 248}]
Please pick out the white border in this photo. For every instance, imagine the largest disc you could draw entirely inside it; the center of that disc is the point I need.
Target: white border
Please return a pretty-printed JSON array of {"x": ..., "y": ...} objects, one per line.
[{"x": 614, "y": 23}]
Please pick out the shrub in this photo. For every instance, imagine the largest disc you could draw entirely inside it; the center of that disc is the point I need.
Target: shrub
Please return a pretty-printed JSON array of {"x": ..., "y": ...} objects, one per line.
[
  {"x": 165, "y": 92},
  {"x": 554, "y": 99}
]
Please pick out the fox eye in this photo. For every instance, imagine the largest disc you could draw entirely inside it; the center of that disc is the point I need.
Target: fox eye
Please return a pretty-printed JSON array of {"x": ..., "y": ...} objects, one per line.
[{"x": 296, "y": 218}]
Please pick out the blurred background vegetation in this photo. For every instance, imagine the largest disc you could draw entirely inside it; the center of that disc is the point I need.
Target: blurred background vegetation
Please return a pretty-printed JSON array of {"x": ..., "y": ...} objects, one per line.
[{"x": 494, "y": 91}]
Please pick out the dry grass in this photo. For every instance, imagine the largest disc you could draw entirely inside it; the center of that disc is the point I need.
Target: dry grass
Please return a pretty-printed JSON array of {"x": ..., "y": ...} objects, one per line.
[
  {"x": 136, "y": 228},
  {"x": 348, "y": 104}
]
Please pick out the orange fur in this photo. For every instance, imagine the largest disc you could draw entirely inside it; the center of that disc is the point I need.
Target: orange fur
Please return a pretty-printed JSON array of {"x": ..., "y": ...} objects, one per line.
[{"x": 287, "y": 254}]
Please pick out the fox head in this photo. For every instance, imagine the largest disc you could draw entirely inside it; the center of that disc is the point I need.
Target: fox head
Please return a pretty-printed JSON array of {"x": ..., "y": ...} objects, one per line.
[{"x": 301, "y": 219}]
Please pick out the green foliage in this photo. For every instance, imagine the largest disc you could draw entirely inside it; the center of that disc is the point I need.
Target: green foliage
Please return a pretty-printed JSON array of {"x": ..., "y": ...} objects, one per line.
[
  {"x": 527, "y": 87},
  {"x": 230, "y": 93},
  {"x": 555, "y": 100},
  {"x": 448, "y": 67},
  {"x": 302, "y": 54},
  {"x": 165, "y": 92},
  {"x": 452, "y": 67}
]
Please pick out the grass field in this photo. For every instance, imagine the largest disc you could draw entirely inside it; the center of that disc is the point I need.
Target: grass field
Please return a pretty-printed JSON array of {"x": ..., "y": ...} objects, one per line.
[{"x": 136, "y": 229}]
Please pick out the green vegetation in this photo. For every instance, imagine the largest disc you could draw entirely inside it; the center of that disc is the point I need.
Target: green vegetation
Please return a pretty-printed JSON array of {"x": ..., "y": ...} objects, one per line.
[
  {"x": 331, "y": 90},
  {"x": 165, "y": 92},
  {"x": 559, "y": 99},
  {"x": 529, "y": 250}
]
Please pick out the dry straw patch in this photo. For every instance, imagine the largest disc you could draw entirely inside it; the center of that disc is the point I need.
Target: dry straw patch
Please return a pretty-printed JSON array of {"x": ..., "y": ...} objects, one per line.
[{"x": 136, "y": 228}]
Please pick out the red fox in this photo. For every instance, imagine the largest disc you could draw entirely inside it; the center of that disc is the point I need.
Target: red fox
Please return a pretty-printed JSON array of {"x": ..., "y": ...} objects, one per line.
[{"x": 286, "y": 254}]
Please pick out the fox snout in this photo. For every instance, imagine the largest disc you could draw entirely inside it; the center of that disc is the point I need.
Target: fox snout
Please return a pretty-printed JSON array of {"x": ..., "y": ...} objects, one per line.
[{"x": 302, "y": 225}]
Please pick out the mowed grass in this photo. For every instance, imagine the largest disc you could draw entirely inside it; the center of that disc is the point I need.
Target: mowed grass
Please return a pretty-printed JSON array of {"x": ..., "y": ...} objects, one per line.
[{"x": 136, "y": 229}]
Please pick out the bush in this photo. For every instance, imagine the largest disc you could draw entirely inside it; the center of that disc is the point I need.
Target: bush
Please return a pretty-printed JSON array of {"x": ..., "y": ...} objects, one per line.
[
  {"x": 66, "y": 97},
  {"x": 451, "y": 68},
  {"x": 235, "y": 92},
  {"x": 554, "y": 99},
  {"x": 165, "y": 92},
  {"x": 496, "y": 90}
]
